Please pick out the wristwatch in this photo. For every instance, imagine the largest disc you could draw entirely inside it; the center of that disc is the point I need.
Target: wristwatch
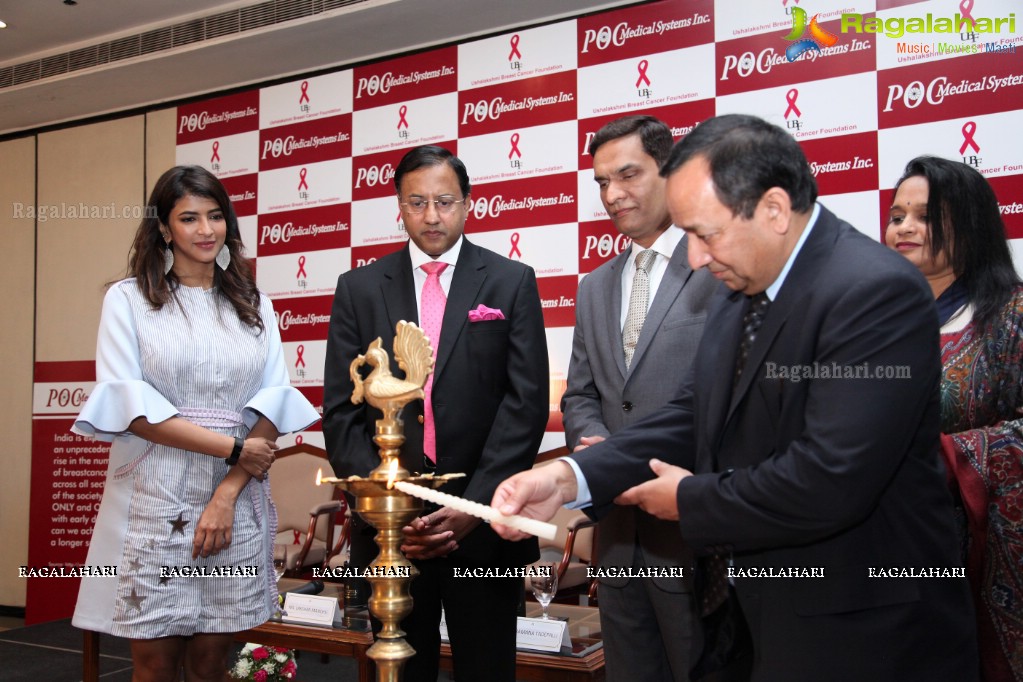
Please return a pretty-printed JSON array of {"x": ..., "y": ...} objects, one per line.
[{"x": 236, "y": 452}]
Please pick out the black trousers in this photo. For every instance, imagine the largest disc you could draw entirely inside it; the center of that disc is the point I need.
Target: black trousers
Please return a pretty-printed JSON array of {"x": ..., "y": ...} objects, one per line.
[{"x": 480, "y": 614}]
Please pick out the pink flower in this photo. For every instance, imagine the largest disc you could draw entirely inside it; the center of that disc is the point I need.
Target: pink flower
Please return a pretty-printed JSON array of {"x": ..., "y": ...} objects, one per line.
[
  {"x": 289, "y": 668},
  {"x": 485, "y": 314},
  {"x": 259, "y": 654},
  {"x": 260, "y": 676}
]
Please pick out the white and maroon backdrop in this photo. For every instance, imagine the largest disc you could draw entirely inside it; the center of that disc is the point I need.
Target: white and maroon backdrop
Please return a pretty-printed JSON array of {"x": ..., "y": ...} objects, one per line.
[{"x": 309, "y": 163}]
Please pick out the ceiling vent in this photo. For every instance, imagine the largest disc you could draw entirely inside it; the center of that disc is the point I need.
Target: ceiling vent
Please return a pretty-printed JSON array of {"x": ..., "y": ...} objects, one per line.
[{"x": 169, "y": 37}]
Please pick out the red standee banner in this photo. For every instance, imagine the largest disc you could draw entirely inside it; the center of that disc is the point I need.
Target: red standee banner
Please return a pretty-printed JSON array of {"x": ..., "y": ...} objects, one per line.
[
  {"x": 759, "y": 61},
  {"x": 212, "y": 118},
  {"x": 394, "y": 81},
  {"x": 68, "y": 472},
  {"x": 643, "y": 30},
  {"x": 980, "y": 83},
  {"x": 325, "y": 227},
  {"x": 599, "y": 242},
  {"x": 529, "y": 202},
  {"x": 846, "y": 163},
  {"x": 527, "y": 102}
]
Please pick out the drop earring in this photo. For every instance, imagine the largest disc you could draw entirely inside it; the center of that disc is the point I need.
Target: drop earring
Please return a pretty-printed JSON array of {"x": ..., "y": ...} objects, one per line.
[
  {"x": 224, "y": 257},
  {"x": 168, "y": 258}
]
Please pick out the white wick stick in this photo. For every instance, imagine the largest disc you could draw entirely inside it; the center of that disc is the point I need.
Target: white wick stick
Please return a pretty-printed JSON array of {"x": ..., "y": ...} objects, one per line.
[{"x": 540, "y": 529}]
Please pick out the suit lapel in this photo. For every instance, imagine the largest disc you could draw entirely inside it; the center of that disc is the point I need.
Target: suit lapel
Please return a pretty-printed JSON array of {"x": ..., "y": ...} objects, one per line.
[
  {"x": 612, "y": 313},
  {"x": 675, "y": 276},
  {"x": 470, "y": 273},
  {"x": 398, "y": 290},
  {"x": 721, "y": 370},
  {"x": 799, "y": 283}
]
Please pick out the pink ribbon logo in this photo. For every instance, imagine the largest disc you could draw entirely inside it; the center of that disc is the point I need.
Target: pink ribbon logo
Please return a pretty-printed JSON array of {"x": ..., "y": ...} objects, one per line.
[
  {"x": 642, "y": 67},
  {"x": 302, "y": 184},
  {"x": 301, "y": 267},
  {"x": 298, "y": 440},
  {"x": 515, "y": 54},
  {"x": 515, "y": 146},
  {"x": 791, "y": 97},
  {"x": 305, "y": 92},
  {"x": 965, "y": 6},
  {"x": 401, "y": 117},
  {"x": 969, "y": 128},
  {"x": 299, "y": 362},
  {"x": 515, "y": 246},
  {"x": 216, "y": 152}
]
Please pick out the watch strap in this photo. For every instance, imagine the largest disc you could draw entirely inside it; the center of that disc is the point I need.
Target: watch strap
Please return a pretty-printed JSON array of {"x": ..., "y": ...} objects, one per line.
[{"x": 236, "y": 452}]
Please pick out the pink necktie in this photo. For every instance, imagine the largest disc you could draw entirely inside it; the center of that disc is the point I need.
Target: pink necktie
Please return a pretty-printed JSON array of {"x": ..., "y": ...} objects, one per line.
[{"x": 431, "y": 317}]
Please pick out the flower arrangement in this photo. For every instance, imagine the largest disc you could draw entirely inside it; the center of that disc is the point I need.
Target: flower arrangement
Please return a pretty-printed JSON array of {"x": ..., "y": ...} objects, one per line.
[{"x": 258, "y": 663}]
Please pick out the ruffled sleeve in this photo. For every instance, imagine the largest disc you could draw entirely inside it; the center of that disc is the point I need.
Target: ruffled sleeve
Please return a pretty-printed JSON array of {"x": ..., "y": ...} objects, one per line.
[
  {"x": 277, "y": 400},
  {"x": 120, "y": 395}
]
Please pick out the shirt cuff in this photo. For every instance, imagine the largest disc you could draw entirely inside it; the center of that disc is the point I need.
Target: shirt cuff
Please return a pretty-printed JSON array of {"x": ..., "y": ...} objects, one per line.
[{"x": 583, "y": 497}]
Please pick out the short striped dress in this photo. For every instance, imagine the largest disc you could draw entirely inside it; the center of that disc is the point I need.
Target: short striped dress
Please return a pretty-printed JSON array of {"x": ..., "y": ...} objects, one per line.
[{"x": 196, "y": 360}]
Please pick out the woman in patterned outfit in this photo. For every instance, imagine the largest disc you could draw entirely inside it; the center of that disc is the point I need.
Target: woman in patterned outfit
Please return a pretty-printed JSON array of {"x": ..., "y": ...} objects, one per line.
[
  {"x": 945, "y": 219},
  {"x": 193, "y": 392}
]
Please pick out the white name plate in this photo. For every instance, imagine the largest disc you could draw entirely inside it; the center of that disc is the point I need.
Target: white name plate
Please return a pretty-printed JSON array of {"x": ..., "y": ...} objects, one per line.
[
  {"x": 538, "y": 634},
  {"x": 310, "y": 609},
  {"x": 535, "y": 634}
]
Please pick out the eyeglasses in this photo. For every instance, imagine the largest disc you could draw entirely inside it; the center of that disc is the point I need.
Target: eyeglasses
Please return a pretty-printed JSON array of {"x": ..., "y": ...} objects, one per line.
[{"x": 444, "y": 205}]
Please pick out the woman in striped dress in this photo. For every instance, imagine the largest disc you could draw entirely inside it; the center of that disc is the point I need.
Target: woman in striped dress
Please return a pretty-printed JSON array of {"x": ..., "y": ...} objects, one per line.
[{"x": 193, "y": 392}]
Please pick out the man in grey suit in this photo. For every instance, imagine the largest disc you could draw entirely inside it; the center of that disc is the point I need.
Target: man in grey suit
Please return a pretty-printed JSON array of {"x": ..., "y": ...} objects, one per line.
[{"x": 639, "y": 318}]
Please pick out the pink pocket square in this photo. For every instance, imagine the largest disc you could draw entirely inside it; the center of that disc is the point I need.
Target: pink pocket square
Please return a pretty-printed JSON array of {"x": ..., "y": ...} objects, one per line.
[{"x": 484, "y": 314}]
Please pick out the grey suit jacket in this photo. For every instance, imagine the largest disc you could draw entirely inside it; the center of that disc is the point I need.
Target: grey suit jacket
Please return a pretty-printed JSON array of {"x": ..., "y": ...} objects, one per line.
[{"x": 603, "y": 397}]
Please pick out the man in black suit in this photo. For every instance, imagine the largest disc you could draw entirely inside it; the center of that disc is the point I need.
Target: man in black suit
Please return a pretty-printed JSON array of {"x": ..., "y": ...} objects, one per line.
[
  {"x": 489, "y": 400},
  {"x": 818, "y": 463}
]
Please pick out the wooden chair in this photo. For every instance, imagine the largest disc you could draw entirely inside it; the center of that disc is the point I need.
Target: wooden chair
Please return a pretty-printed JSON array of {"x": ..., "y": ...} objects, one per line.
[
  {"x": 306, "y": 513},
  {"x": 573, "y": 548}
]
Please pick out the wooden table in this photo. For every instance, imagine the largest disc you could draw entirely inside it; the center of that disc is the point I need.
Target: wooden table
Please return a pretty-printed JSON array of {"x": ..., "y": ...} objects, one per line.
[
  {"x": 534, "y": 666},
  {"x": 332, "y": 641},
  {"x": 320, "y": 640}
]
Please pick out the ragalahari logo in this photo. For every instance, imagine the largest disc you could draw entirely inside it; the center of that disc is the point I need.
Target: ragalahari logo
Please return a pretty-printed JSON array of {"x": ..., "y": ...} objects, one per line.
[{"x": 818, "y": 36}]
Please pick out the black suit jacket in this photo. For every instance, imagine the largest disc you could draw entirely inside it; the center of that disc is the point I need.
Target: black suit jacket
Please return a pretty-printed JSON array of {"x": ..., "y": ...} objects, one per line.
[
  {"x": 490, "y": 388},
  {"x": 840, "y": 474}
]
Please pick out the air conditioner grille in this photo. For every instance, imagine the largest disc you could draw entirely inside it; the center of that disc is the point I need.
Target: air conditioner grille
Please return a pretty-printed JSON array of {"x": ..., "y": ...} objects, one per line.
[
  {"x": 190, "y": 32},
  {"x": 222, "y": 25},
  {"x": 53, "y": 66},
  {"x": 85, "y": 58},
  {"x": 125, "y": 48},
  {"x": 240, "y": 20},
  {"x": 258, "y": 16}
]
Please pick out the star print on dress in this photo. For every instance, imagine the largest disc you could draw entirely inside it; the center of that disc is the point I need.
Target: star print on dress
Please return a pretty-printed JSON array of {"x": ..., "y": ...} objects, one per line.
[
  {"x": 164, "y": 579},
  {"x": 178, "y": 525},
  {"x": 150, "y": 543},
  {"x": 134, "y": 565},
  {"x": 135, "y": 601}
]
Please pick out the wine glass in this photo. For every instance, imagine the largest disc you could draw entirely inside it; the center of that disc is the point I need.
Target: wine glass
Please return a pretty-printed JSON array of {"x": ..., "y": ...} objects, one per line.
[
  {"x": 280, "y": 560},
  {"x": 545, "y": 586}
]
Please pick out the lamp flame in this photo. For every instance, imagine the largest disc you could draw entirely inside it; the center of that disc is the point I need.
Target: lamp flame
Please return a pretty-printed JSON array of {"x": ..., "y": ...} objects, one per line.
[
  {"x": 319, "y": 476},
  {"x": 392, "y": 473}
]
